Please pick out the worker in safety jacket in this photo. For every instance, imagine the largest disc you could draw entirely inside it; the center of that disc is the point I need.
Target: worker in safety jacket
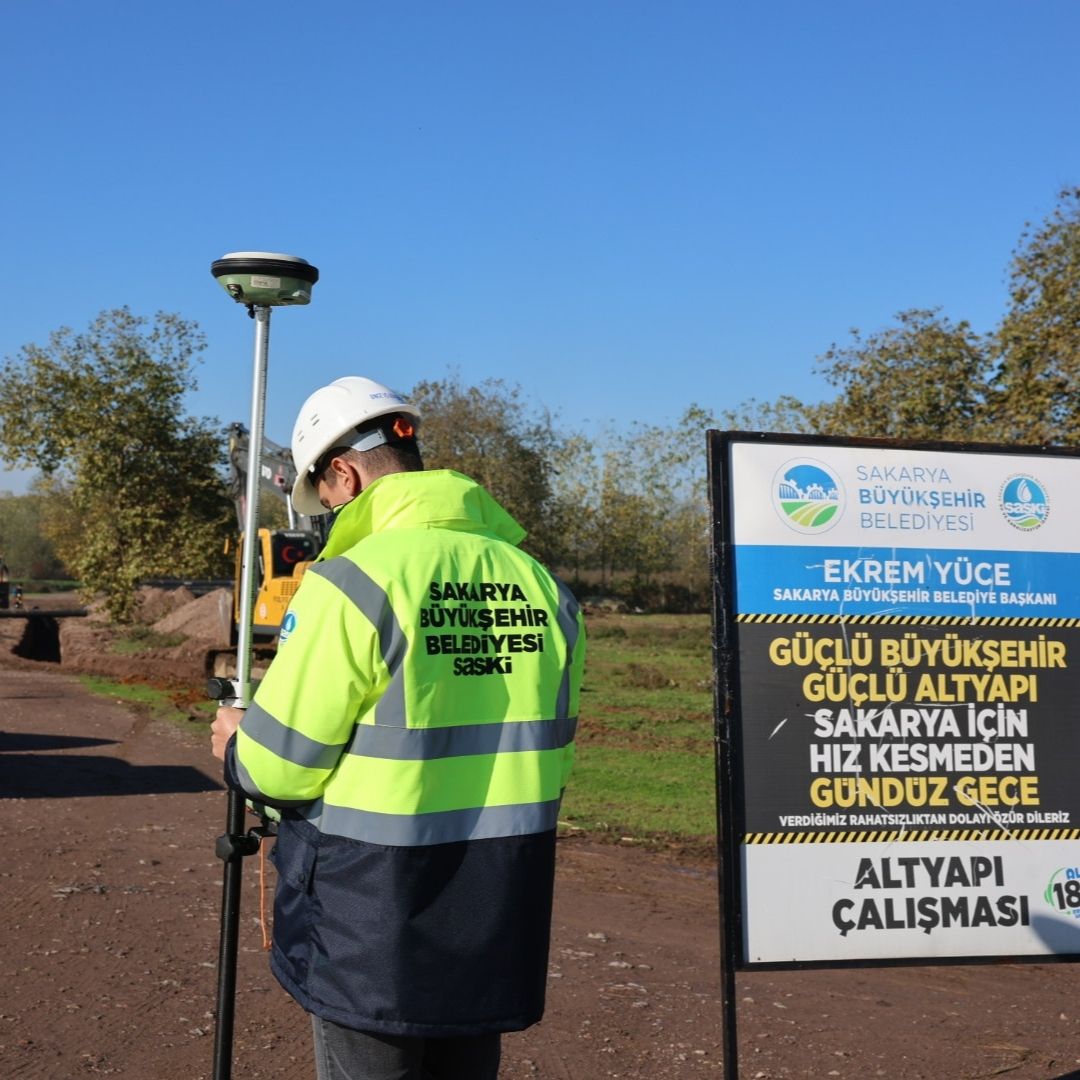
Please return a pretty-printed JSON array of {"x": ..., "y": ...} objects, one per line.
[{"x": 416, "y": 729}]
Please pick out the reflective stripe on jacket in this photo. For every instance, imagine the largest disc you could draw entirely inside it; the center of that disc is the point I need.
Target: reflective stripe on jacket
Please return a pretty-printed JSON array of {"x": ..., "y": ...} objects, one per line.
[{"x": 418, "y": 721}]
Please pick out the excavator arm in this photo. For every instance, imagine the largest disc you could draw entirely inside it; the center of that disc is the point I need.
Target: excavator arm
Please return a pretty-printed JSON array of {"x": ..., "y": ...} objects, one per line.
[{"x": 283, "y": 554}]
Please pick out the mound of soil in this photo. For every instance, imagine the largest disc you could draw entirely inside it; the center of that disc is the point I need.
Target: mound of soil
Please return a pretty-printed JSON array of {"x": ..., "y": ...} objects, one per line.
[
  {"x": 92, "y": 645},
  {"x": 206, "y": 618},
  {"x": 154, "y": 604}
]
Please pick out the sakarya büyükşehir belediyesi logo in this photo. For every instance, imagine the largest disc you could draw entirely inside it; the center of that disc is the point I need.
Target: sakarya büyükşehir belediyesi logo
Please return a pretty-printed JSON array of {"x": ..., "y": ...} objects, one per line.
[
  {"x": 807, "y": 496},
  {"x": 1024, "y": 502}
]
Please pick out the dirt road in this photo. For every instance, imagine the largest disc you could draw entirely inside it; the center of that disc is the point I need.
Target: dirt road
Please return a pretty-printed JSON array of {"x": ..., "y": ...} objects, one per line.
[{"x": 111, "y": 895}]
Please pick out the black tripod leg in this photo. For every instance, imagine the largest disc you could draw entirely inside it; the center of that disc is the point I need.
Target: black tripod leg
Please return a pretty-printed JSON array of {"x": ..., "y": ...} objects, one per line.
[{"x": 230, "y": 848}]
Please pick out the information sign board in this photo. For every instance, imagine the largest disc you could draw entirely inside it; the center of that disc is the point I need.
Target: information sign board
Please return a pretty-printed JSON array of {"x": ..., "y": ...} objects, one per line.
[{"x": 898, "y": 707}]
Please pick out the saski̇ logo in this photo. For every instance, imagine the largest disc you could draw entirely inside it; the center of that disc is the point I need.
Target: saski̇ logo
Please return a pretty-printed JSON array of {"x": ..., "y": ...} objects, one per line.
[
  {"x": 1024, "y": 502},
  {"x": 288, "y": 625},
  {"x": 807, "y": 495}
]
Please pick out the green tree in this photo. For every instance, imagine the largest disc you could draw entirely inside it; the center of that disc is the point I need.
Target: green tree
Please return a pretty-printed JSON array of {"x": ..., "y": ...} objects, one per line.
[
  {"x": 132, "y": 484},
  {"x": 632, "y": 510},
  {"x": 682, "y": 453},
  {"x": 668, "y": 478},
  {"x": 645, "y": 488},
  {"x": 924, "y": 378},
  {"x": 572, "y": 510},
  {"x": 488, "y": 433},
  {"x": 927, "y": 377},
  {"x": 1038, "y": 342},
  {"x": 26, "y": 549},
  {"x": 627, "y": 540},
  {"x": 786, "y": 414}
]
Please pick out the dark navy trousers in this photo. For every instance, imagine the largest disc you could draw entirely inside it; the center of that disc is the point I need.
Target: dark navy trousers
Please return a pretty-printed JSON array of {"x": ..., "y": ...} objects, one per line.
[{"x": 344, "y": 1054}]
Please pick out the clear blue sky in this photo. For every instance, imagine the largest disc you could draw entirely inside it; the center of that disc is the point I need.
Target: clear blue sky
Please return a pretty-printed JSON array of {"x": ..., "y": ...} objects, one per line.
[{"x": 623, "y": 206}]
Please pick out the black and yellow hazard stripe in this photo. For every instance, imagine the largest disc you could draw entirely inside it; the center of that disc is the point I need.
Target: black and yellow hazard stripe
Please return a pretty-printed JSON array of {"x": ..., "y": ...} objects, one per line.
[
  {"x": 889, "y": 836},
  {"x": 909, "y": 620}
]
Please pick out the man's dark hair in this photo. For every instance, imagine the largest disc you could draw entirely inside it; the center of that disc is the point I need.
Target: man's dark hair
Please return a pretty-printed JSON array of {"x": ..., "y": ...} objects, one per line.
[
  {"x": 397, "y": 454},
  {"x": 400, "y": 456}
]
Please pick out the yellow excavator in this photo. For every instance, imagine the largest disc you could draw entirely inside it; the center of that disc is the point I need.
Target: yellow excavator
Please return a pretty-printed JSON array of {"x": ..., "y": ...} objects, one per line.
[{"x": 283, "y": 553}]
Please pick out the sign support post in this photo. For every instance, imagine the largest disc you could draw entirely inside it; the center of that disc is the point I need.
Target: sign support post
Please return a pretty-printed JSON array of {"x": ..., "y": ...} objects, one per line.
[{"x": 723, "y": 719}]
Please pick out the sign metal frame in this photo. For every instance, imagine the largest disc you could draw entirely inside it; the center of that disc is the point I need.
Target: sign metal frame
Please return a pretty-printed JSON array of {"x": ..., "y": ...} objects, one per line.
[{"x": 733, "y": 693}]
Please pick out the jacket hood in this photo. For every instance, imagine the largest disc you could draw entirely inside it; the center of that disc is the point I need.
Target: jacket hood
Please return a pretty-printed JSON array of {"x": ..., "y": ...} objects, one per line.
[{"x": 435, "y": 499}]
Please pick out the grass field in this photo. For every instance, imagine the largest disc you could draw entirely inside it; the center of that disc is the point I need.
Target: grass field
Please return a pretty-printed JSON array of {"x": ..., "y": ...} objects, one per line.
[
  {"x": 161, "y": 704},
  {"x": 645, "y": 763},
  {"x": 644, "y": 771}
]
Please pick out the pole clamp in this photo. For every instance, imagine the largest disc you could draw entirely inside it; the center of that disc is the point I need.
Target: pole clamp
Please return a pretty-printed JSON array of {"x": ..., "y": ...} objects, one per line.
[{"x": 228, "y": 845}]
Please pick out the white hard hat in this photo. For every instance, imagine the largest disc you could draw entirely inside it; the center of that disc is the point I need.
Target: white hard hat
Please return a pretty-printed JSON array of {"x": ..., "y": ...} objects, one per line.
[{"x": 329, "y": 418}]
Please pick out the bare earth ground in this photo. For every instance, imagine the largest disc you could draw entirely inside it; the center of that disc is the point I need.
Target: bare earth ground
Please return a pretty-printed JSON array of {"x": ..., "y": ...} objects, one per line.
[{"x": 111, "y": 895}]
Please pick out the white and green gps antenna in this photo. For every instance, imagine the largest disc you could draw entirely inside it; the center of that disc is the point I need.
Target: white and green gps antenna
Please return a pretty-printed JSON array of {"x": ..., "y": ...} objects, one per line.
[
  {"x": 260, "y": 280},
  {"x": 265, "y": 279}
]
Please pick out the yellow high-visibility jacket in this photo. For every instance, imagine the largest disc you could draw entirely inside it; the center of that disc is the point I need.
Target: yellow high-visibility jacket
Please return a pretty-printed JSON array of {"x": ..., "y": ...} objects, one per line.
[{"x": 417, "y": 727}]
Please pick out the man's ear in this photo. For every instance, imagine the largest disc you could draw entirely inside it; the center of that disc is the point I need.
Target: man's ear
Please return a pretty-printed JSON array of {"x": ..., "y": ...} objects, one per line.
[{"x": 346, "y": 476}]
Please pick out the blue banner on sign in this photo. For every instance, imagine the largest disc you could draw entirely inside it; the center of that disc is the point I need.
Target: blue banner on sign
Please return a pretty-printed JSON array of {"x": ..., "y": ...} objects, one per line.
[{"x": 783, "y": 580}]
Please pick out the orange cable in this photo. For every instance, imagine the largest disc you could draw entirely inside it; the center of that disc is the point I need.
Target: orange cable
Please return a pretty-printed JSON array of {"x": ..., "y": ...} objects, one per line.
[{"x": 262, "y": 898}]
